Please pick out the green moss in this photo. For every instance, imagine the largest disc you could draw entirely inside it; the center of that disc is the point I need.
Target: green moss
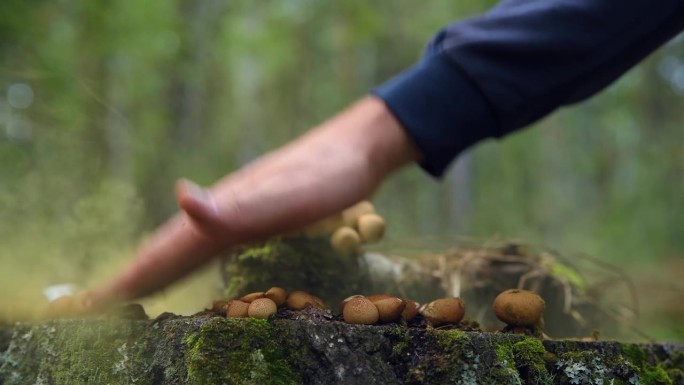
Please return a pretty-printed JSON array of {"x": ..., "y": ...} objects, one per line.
[
  {"x": 76, "y": 352},
  {"x": 470, "y": 358},
  {"x": 506, "y": 359},
  {"x": 530, "y": 360},
  {"x": 525, "y": 359},
  {"x": 265, "y": 251},
  {"x": 295, "y": 264},
  {"x": 652, "y": 373},
  {"x": 591, "y": 366},
  {"x": 635, "y": 353},
  {"x": 656, "y": 376},
  {"x": 401, "y": 340},
  {"x": 236, "y": 351},
  {"x": 448, "y": 339}
]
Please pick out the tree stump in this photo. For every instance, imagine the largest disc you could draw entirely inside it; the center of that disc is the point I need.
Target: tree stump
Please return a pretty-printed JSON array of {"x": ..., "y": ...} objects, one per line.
[{"x": 214, "y": 350}]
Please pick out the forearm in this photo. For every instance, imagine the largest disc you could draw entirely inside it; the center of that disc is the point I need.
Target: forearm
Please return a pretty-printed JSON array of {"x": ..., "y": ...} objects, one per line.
[
  {"x": 333, "y": 166},
  {"x": 500, "y": 71}
]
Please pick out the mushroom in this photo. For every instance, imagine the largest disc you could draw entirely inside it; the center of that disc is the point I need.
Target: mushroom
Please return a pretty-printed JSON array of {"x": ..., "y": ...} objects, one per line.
[
  {"x": 237, "y": 309},
  {"x": 277, "y": 295},
  {"x": 410, "y": 310},
  {"x": 518, "y": 307},
  {"x": 298, "y": 300},
  {"x": 252, "y": 296},
  {"x": 220, "y": 306},
  {"x": 360, "y": 311},
  {"x": 262, "y": 308},
  {"x": 323, "y": 227},
  {"x": 71, "y": 306},
  {"x": 443, "y": 311},
  {"x": 351, "y": 215},
  {"x": 345, "y": 241},
  {"x": 346, "y": 300},
  {"x": 371, "y": 228},
  {"x": 390, "y": 309},
  {"x": 378, "y": 296}
]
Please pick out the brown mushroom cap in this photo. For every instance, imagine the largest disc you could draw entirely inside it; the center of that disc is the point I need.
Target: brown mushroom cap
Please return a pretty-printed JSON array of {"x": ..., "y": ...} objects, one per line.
[
  {"x": 323, "y": 227},
  {"x": 237, "y": 309},
  {"x": 360, "y": 311},
  {"x": 71, "y": 306},
  {"x": 378, "y": 296},
  {"x": 444, "y": 311},
  {"x": 390, "y": 309},
  {"x": 252, "y": 296},
  {"x": 345, "y": 241},
  {"x": 518, "y": 307},
  {"x": 261, "y": 308},
  {"x": 371, "y": 227},
  {"x": 220, "y": 306},
  {"x": 411, "y": 310},
  {"x": 346, "y": 300},
  {"x": 319, "y": 302},
  {"x": 351, "y": 215},
  {"x": 277, "y": 295},
  {"x": 298, "y": 300}
]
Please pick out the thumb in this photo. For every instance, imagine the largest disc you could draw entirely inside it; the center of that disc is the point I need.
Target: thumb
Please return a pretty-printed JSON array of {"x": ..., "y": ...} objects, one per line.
[{"x": 198, "y": 203}]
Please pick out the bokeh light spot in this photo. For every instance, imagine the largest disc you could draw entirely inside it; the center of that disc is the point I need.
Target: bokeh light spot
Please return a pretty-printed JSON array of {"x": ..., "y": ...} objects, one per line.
[
  {"x": 19, "y": 129},
  {"x": 20, "y": 95}
]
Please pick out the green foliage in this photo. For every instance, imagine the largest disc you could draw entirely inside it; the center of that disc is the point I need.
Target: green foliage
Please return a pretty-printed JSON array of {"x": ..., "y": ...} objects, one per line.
[{"x": 131, "y": 96}]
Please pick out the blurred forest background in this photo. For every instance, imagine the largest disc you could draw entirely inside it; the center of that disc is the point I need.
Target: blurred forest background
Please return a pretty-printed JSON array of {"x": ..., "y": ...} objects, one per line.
[{"x": 104, "y": 104}]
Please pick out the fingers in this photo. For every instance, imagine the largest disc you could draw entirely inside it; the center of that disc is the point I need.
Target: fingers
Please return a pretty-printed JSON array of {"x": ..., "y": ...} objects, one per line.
[
  {"x": 172, "y": 252},
  {"x": 198, "y": 203}
]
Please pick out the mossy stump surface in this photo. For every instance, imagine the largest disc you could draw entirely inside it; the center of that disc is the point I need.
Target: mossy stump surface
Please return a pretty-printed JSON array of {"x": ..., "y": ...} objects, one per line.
[{"x": 215, "y": 350}]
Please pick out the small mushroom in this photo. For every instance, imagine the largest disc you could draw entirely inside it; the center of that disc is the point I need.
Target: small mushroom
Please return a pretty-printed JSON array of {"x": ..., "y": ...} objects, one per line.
[
  {"x": 262, "y": 308},
  {"x": 411, "y": 310},
  {"x": 71, "y": 306},
  {"x": 323, "y": 227},
  {"x": 277, "y": 295},
  {"x": 346, "y": 241},
  {"x": 351, "y": 215},
  {"x": 220, "y": 306},
  {"x": 378, "y": 296},
  {"x": 298, "y": 300},
  {"x": 360, "y": 311},
  {"x": 237, "y": 309},
  {"x": 371, "y": 228},
  {"x": 517, "y": 307},
  {"x": 252, "y": 296},
  {"x": 390, "y": 309},
  {"x": 443, "y": 311},
  {"x": 346, "y": 300}
]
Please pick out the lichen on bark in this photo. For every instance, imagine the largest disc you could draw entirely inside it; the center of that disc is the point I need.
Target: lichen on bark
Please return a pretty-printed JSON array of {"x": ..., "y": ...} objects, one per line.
[{"x": 209, "y": 350}]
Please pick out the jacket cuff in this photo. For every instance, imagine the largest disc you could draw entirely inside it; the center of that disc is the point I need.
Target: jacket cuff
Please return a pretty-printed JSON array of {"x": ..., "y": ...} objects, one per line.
[{"x": 440, "y": 108}]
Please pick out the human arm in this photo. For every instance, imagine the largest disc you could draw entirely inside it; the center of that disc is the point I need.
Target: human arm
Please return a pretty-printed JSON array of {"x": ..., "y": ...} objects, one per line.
[
  {"x": 500, "y": 71},
  {"x": 481, "y": 78},
  {"x": 328, "y": 169}
]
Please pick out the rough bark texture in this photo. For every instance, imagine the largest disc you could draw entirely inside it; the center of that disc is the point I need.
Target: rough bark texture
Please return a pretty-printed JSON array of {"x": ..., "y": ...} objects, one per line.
[{"x": 214, "y": 350}]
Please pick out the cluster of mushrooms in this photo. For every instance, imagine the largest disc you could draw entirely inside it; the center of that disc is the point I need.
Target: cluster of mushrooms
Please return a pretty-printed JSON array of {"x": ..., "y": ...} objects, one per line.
[
  {"x": 517, "y": 308},
  {"x": 263, "y": 304},
  {"x": 350, "y": 229}
]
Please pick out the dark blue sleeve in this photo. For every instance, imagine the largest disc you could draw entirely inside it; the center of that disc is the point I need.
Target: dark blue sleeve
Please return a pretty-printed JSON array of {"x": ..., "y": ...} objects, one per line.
[{"x": 498, "y": 72}]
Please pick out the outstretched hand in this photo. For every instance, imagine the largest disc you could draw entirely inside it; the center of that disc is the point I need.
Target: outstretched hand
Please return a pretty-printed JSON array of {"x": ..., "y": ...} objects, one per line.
[{"x": 328, "y": 169}]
